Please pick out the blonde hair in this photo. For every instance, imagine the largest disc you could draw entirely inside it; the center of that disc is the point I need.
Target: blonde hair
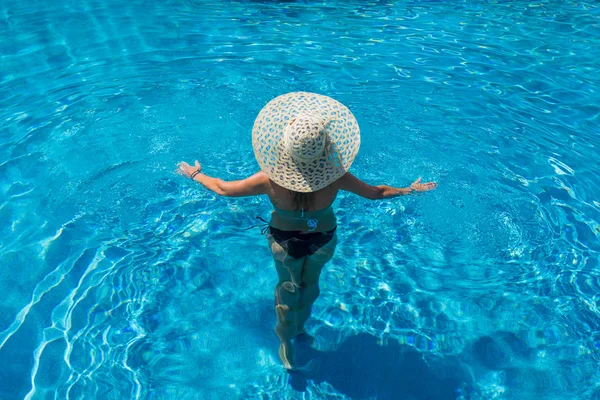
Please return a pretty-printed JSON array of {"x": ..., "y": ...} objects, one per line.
[{"x": 302, "y": 200}]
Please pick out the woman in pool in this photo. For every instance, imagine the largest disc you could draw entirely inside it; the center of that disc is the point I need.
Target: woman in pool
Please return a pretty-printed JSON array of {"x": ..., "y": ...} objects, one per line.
[{"x": 304, "y": 144}]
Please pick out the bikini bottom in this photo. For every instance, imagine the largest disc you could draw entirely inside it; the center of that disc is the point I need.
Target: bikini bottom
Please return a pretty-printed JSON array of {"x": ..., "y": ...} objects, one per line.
[{"x": 301, "y": 244}]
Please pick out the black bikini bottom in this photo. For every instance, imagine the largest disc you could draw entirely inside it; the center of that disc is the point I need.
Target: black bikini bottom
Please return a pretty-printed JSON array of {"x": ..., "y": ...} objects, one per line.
[{"x": 301, "y": 244}]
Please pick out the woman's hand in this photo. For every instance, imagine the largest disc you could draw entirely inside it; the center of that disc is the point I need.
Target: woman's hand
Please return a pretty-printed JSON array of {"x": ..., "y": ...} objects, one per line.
[
  {"x": 186, "y": 169},
  {"x": 417, "y": 186}
]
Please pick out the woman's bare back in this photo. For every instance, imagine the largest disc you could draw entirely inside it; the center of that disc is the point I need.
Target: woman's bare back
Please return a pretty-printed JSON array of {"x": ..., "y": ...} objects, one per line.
[{"x": 282, "y": 198}]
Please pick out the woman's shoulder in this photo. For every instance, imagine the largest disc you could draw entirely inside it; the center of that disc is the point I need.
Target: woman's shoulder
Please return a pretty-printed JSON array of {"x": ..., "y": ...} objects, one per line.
[{"x": 342, "y": 181}]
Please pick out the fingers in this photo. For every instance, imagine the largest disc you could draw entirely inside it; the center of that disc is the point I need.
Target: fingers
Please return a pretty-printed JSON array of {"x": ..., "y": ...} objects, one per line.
[
  {"x": 182, "y": 168},
  {"x": 428, "y": 186},
  {"x": 197, "y": 164},
  {"x": 417, "y": 181},
  {"x": 423, "y": 187}
]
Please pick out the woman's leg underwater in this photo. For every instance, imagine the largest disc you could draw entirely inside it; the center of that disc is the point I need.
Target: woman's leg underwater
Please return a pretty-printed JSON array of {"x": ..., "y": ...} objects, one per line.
[
  {"x": 309, "y": 289},
  {"x": 287, "y": 296}
]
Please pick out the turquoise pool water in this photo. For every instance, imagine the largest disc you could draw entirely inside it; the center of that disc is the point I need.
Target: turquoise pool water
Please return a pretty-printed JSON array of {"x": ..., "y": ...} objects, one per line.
[{"x": 120, "y": 279}]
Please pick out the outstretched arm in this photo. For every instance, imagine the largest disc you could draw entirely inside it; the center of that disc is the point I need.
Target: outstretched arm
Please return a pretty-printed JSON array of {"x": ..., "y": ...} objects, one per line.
[
  {"x": 251, "y": 186},
  {"x": 352, "y": 184}
]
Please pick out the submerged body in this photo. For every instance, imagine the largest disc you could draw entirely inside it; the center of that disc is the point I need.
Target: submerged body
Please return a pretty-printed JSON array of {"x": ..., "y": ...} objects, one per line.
[{"x": 302, "y": 242}]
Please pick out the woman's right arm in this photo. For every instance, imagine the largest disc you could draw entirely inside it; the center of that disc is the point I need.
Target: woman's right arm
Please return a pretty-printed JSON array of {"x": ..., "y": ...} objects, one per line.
[
  {"x": 254, "y": 185},
  {"x": 352, "y": 184}
]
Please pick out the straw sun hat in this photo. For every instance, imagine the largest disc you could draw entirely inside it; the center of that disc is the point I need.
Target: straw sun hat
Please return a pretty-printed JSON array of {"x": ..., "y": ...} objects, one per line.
[{"x": 305, "y": 141}]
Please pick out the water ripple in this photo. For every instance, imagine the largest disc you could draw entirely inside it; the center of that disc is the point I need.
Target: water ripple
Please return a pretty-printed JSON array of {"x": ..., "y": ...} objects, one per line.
[{"x": 139, "y": 284}]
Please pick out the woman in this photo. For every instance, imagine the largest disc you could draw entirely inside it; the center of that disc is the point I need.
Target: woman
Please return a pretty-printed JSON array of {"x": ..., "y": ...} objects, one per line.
[{"x": 304, "y": 144}]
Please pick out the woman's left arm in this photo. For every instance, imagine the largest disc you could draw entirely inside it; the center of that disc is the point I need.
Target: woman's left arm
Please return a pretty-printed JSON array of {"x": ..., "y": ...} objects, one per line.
[{"x": 251, "y": 186}]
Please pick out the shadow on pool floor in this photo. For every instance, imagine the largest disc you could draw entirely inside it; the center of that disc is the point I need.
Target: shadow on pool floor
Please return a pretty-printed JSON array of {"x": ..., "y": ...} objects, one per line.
[{"x": 362, "y": 368}]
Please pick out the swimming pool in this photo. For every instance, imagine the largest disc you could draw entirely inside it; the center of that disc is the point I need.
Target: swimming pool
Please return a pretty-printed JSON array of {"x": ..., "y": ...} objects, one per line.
[{"x": 121, "y": 279}]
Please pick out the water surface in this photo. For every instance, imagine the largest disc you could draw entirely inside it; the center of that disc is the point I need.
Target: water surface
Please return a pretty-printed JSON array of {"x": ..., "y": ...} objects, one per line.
[{"x": 121, "y": 279}]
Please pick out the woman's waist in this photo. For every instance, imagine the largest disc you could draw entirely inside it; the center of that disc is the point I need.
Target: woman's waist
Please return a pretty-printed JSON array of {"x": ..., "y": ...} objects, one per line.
[
  {"x": 313, "y": 214},
  {"x": 307, "y": 222}
]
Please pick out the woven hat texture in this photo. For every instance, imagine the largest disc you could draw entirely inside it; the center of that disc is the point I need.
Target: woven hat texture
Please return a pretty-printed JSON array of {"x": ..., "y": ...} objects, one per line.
[{"x": 305, "y": 141}]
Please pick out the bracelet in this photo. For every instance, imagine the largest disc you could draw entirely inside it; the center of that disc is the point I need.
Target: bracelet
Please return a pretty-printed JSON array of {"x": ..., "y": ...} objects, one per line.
[{"x": 196, "y": 172}]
